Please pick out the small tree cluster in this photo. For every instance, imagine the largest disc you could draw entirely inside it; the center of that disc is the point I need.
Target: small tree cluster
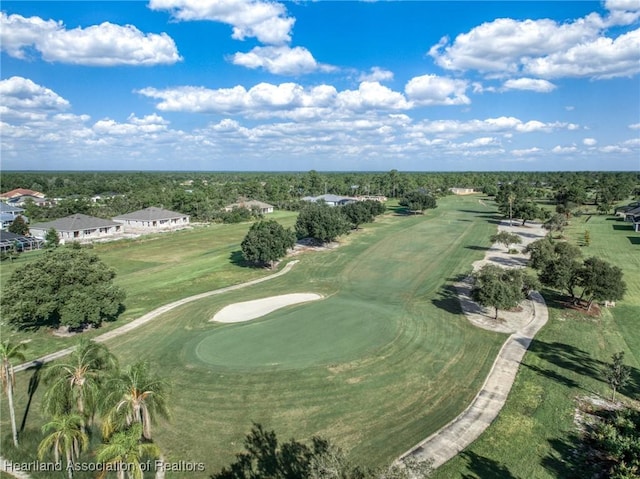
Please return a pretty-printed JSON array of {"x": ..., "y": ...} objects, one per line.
[
  {"x": 613, "y": 445},
  {"x": 265, "y": 457},
  {"x": 89, "y": 383},
  {"x": 560, "y": 267},
  {"x": 418, "y": 201},
  {"x": 557, "y": 222},
  {"x": 19, "y": 226},
  {"x": 501, "y": 288},
  {"x": 506, "y": 238},
  {"x": 360, "y": 212},
  {"x": 267, "y": 242},
  {"x": 65, "y": 287},
  {"x": 321, "y": 222}
]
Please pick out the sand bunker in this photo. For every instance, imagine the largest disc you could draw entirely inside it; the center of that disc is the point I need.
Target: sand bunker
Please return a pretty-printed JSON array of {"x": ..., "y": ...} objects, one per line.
[{"x": 248, "y": 310}]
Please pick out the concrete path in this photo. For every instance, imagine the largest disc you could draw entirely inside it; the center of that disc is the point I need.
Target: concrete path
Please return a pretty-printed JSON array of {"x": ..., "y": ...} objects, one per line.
[
  {"x": 447, "y": 442},
  {"x": 467, "y": 427},
  {"x": 150, "y": 316},
  {"x": 5, "y": 465}
]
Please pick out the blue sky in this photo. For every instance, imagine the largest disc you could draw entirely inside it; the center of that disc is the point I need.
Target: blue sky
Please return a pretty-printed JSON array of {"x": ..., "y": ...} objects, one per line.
[{"x": 330, "y": 85}]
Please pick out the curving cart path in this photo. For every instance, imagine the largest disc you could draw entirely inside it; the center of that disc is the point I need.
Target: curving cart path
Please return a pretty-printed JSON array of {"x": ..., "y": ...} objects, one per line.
[
  {"x": 5, "y": 465},
  {"x": 451, "y": 439}
]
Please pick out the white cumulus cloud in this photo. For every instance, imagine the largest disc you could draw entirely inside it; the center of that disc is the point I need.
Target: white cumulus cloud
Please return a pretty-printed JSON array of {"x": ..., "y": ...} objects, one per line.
[
  {"x": 23, "y": 94},
  {"x": 280, "y": 60},
  {"x": 265, "y": 20},
  {"x": 546, "y": 48},
  {"x": 376, "y": 74},
  {"x": 589, "y": 142},
  {"x": 530, "y": 84},
  {"x": 436, "y": 90},
  {"x": 106, "y": 44},
  {"x": 290, "y": 100},
  {"x": 601, "y": 58}
]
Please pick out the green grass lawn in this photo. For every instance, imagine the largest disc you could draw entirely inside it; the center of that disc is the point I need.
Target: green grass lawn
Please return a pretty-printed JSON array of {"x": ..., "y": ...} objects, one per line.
[
  {"x": 532, "y": 437},
  {"x": 385, "y": 360},
  {"x": 158, "y": 269}
]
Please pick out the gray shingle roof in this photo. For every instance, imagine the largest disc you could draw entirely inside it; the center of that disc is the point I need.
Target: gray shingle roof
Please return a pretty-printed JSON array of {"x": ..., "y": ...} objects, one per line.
[
  {"x": 150, "y": 214},
  {"x": 75, "y": 222},
  {"x": 5, "y": 208}
]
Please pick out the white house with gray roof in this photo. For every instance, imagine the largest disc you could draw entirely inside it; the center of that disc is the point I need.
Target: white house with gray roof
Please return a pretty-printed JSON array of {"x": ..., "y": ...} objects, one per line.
[
  {"x": 78, "y": 227},
  {"x": 152, "y": 219},
  {"x": 264, "y": 208},
  {"x": 8, "y": 213},
  {"x": 331, "y": 200}
]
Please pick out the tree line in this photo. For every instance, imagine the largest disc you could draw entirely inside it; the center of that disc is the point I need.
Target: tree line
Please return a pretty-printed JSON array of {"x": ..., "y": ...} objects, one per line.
[
  {"x": 202, "y": 194},
  {"x": 267, "y": 241}
]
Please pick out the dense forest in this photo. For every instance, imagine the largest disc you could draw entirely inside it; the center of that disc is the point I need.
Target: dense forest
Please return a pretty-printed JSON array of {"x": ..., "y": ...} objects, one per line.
[{"x": 203, "y": 194}]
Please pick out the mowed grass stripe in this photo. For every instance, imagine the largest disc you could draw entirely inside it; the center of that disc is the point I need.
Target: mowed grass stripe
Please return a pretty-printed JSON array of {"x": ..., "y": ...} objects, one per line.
[
  {"x": 532, "y": 436},
  {"x": 375, "y": 405}
]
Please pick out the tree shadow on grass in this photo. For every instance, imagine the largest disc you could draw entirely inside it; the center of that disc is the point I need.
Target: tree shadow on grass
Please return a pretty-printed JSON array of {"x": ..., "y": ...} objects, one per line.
[
  {"x": 34, "y": 382},
  {"x": 624, "y": 227},
  {"x": 237, "y": 259},
  {"x": 568, "y": 357},
  {"x": 632, "y": 387},
  {"x": 565, "y": 459},
  {"x": 448, "y": 298},
  {"x": 484, "y": 468},
  {"x": 478, "y": 248},
  {"x": 548, "y": 373}
]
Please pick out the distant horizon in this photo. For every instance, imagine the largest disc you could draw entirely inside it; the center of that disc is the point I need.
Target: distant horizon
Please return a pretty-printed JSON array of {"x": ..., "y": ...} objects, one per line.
[
  {"x": 322, "y": 171},
  {"x": 173, "y": 85}
]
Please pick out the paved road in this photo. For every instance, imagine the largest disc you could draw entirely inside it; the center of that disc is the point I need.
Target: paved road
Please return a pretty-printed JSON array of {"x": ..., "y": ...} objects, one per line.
[{"x": 467, "y": 427}]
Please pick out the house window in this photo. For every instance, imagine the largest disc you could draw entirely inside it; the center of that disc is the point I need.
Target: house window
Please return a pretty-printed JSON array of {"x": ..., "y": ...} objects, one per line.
[{"x": 88, "y": 232}]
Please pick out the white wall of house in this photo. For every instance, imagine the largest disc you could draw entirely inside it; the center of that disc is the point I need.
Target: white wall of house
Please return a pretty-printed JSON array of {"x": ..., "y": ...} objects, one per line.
[
  {"x": 153, "y": 225},
  {"x": 81, "y": 235}
]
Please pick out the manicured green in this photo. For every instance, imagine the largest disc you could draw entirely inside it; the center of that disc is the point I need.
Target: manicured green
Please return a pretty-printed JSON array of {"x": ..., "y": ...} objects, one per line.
[
  {"x": 382, "y": 362},
  {"x": 532, "y": 437},
  {"x": 314, "y": 334},
  {"x": 155, "y": 270}
]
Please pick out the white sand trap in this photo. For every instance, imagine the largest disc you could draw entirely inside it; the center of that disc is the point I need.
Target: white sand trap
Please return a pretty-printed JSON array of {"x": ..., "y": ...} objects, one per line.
[{"x": 248, "y": 310}]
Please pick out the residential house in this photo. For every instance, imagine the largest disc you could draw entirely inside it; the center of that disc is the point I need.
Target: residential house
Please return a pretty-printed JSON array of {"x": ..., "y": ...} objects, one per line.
[
  {"x": 378, "y": 198},
  {"x": 23, "y": 243},
  {"x": 462, "y": 191},
  {"x": 8, "y": 213},
  {"x": 152, "y": 219},
  {"x": 78, "y": 227},
  {"x": 633, "y": 216},
  {"x": 254, "y": 205},
  {"x": 331, "y": 200},
  {"x": 19, "y": 197}
]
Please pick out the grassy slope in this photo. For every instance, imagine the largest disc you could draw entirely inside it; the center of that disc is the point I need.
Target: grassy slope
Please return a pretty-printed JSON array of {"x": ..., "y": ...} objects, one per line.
[
  {"x": 156, "y": 270},
  {"x": 377, "y": 404},
  {"x": 531, "y": 437}
]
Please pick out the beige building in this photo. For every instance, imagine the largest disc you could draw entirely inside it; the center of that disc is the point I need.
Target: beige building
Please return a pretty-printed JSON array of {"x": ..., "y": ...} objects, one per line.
[
  {"x": 152, "y": 219},
  {"x": 78, "y": 227}
]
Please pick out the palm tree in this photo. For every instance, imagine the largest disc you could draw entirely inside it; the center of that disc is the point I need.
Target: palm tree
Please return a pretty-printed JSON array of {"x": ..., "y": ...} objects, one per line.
[
  {"x": 77, "y": 382},
  {"x": 126, "y": 451},
  {"x": 8, "y": 352},
  {"x": 67, "y": 437},
  {"x": 133, "y": 396}
]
